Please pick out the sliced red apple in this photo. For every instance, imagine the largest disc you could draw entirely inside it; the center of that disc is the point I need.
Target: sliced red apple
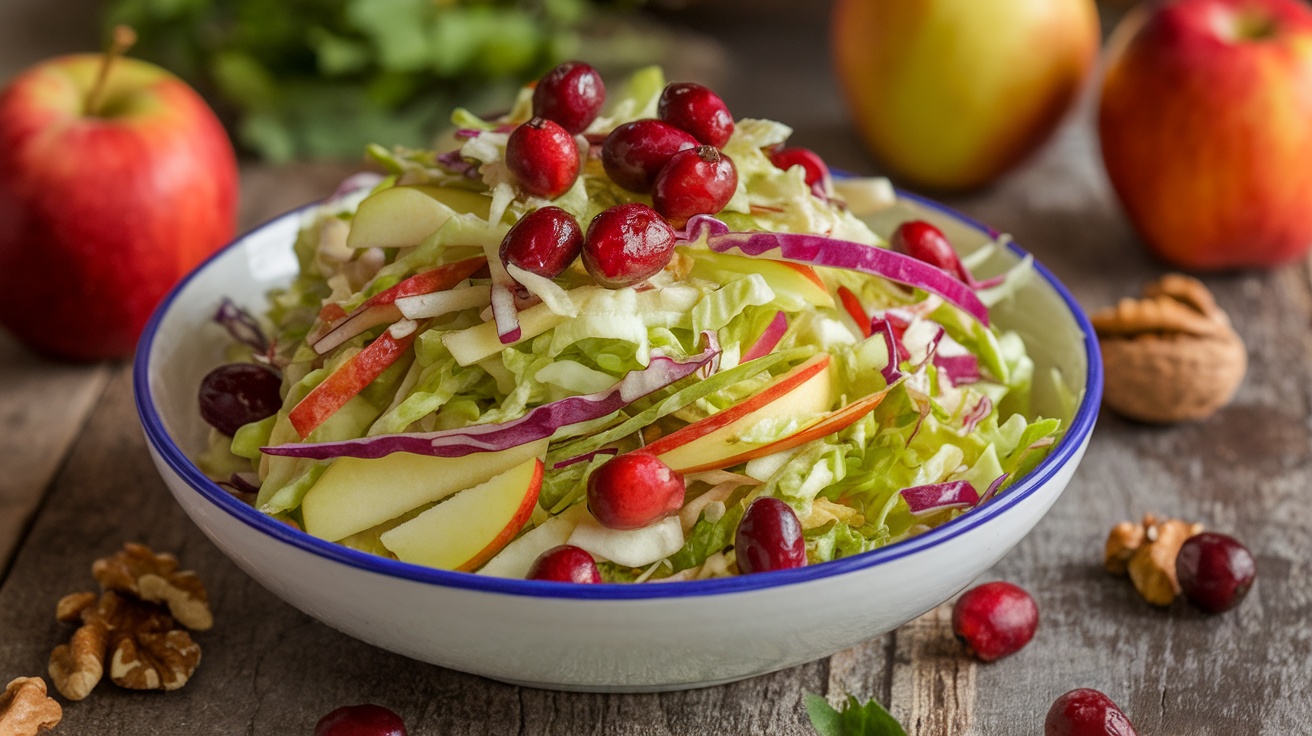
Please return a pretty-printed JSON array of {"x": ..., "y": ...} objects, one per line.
[
  {"x": 354, "y": 494},
  {"x": 795, "y": 279},
  {"x": 517, "y": 558},
  {"x": 858, "y": 313},
  {"x": 351, "y": 377},
  {"x": 803, "y": 391},
  {"x": 834, "y": 421},
  {"x": 381, "y": 308},
  {"x": 469, "y": 528},
  {"x": 400, "y": 217}
]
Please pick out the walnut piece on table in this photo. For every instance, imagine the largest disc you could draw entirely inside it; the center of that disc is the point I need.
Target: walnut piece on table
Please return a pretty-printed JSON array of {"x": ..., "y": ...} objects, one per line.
[
  {"x": 1147, "y": 552},
  {"x": 1170, "y": 356},
  {"x": 26, "y": 709},
  {"x": 139, "y": 572},
  {"x": 134, "y": 628}
]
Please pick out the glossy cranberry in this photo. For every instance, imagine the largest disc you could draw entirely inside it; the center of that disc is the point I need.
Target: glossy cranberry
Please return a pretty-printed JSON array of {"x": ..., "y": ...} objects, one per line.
[
  {"x": 571, "y": 95},
  {"x": 924, "y": 242},
  {"x": 698, "y": 110},
  {"x": 769, "y": 537},
  {"x": 543, "y": 242},
  {"x": 817, "y": 172},
  {"x": 634, "y": 153},
  {"x": 626, "y": 245},
  {"x": 361, "y": 720},
  {"x": 565, "y": 564},
  {"x": 633, "y": 490},
  {"x": 543, "y": 158},
  {"x": 994, "y": 620},
  {"x": 237, "y": 394},
  {"x": 1086, "y": 712},
  {"x": 1215, "y": 571},
  {"x": 698, "y": 181}
]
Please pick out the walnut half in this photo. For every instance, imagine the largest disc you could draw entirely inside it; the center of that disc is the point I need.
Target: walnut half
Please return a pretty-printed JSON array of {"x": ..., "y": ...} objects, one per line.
[
  {"x": 1170, "y": 356},
  {"x": 26, "y": 710},
  {"x": 1147, "y": 552}
]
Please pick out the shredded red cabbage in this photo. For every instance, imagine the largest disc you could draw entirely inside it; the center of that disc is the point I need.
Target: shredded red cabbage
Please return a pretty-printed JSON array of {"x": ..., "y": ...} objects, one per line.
[
  {"x": 993, "y": 489},
  {"x": 505, "y": 314},
  {"x": 978, "y": 413},
  {"x": 539, "y": 423},
  {"x": 939, "y": 496},
  {"x": 818, "y": 250},
  {"x": 896, "y": 352},
  {"x": 962, "y": 369},
  {"x": 241, "y": 326},
  {"x": 585, "y": 457}
]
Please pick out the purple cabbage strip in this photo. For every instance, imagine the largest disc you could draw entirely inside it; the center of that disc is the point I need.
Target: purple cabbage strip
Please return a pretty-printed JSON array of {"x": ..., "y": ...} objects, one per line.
[
  {"x": 978, "y": 413},
  {"x": 539, "y": 423},
  {"x": 241, "y": 326},
  {"x": 890, "y": 372},
  {"x": 818, "y": 250},
  {"x": 354, "y": 183},
  {"x": 939, "y": 496},
  {"x": 465, "y": 134},
  {"x": 994, "y": 487},
  {"x": 453, "y": 162},
  {"x": 774, "y": 332},
  {"x": 962, "y": 369},
  {"x": 505, "y": 314}
]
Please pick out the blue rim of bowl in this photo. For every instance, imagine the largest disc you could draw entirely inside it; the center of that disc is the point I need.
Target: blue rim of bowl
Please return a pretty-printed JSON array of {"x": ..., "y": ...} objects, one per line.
[{"x": 1080, "y": 428}]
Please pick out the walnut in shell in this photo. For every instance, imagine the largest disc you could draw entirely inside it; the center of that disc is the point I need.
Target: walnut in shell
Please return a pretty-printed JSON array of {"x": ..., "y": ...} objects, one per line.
[{"x": 1170, "y": 356}]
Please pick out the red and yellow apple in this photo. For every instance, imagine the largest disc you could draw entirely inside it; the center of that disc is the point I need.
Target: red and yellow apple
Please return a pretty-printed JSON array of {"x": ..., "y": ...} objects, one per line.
[
  {"x": 104, "y": 203},
  {"x": 468, "y": 529},
  {"x": 1206, "y": 130},
  {"x": 952, "y": 93}
]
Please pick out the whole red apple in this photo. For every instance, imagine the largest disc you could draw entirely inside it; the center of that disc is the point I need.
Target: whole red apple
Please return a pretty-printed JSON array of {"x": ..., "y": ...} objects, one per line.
[
  {"x": 1206, "y": 128},
  {"x": 105, "y": 204}
]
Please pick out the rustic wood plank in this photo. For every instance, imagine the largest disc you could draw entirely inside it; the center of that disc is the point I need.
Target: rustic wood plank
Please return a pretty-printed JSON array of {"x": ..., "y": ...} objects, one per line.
[
  {"x": 933, "y": 687},
  {"x": 43, "y": 404}
]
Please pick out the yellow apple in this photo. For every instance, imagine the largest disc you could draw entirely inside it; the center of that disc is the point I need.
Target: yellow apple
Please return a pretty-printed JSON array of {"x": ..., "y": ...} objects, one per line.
[
  {"x": 467, "y": 529},
  {"x": 951, "y": 93},
  {"x": 355, "y": 494}
]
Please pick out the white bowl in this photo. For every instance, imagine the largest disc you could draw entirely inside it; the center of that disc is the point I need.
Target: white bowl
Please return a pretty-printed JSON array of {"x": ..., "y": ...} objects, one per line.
[{"x": 613, "y": 638}]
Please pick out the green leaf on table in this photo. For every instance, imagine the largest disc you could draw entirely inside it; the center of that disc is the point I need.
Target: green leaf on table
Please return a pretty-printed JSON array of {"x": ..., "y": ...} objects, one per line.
[{"x": 855, "y": 719}]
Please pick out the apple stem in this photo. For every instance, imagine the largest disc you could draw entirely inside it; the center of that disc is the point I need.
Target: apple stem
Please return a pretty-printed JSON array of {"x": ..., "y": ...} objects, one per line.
[{"x": 123, "y": 39}]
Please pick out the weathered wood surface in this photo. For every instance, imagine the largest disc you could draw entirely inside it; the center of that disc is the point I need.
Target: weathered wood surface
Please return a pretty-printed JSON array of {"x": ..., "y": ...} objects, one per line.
[{"x": 270, "y": 670}]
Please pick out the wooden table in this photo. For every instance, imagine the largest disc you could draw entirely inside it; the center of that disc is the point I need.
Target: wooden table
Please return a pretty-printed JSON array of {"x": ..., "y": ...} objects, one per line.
[{"x": 76, "y": 483}]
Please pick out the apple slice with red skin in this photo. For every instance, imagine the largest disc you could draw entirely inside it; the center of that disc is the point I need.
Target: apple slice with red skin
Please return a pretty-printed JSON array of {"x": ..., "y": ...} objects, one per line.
[
  {"x": 834, "y": 421},
  {"x": 381, "y": 309},
  {"x": 468, "y": 529},
  {"x": 703, "y": 445},
  {"x": 349, "y": 379},
  {"x": 853, "y": 306}
]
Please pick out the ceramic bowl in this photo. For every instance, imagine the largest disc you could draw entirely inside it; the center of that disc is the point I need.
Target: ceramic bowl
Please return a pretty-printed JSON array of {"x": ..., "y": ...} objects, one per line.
[{"x": 603, "y": 637}]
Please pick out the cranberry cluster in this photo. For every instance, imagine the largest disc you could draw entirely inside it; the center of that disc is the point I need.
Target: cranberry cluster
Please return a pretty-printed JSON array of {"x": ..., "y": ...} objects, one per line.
[{"x": 674, "y": 157}]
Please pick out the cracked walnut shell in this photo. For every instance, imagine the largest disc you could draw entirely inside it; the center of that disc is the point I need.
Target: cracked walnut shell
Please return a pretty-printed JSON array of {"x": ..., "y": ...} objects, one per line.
[
  {"x": 1170, "y": 356},
  {"x": 26, "y": 709}
]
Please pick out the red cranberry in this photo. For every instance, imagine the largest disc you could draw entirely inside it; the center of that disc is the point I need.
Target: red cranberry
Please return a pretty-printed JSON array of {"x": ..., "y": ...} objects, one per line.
[
  {"x": 571, "y": 94},
  {"x": 698, "y": 110},
  {"x": 634, "y": 153},
  {"x": 237, "y": 394},
  {"x": 626, "y": 245},
  {"x": 361, "y": 720},
  {"x": 924, "y": 242},
  {"x": 769, "y": 537},
  {"x": 814, "y": 166},
  {"x": 698, "y": 181},
  {"x": 565, "y": 564},
  {"x": 1086, "y": 712},
  {"x": 543, "y": 242},
  {"x": 995, "y": 619},
  {"x": 1215, "y": 571},
  {"x": 543, "y": 158},
  {"x": 632, "y": 490}
]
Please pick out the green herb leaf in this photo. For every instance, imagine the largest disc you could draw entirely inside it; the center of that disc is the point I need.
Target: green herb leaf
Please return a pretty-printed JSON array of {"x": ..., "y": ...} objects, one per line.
[{"x": 855, "y": 719}]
